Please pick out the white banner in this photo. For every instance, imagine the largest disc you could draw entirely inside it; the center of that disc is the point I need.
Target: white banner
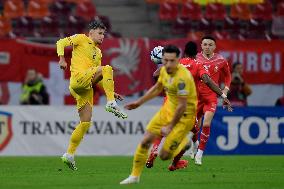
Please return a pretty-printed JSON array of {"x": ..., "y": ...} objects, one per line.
[{"x": 45, "y": 130}]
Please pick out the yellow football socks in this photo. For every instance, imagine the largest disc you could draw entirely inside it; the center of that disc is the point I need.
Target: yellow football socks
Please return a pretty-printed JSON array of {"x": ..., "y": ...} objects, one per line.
[
  {"x": 77, "y": 136},
  {"x": 139, "y": 160},
  {"x": 108, "y": 83}
]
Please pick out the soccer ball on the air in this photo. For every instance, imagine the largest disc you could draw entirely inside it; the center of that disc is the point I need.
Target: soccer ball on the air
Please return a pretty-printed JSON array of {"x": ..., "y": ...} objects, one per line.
[{"x": 156, "y": 54}]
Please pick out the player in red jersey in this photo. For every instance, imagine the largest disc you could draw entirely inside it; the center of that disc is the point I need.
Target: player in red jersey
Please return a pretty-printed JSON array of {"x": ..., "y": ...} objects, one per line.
[
  {"x": 199, "y": 73},
  {"x": 218, "y": 68}
]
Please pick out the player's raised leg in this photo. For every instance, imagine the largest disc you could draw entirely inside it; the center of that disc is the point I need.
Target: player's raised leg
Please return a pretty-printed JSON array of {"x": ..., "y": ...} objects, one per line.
[
  {"x": 204, "y": 136},
  {"x": 105, "y": 74}
]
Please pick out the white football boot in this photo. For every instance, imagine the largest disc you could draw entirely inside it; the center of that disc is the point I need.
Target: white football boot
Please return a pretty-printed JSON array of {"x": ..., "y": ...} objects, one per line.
[
  {"x": 69, "y": 161},
  {"x": 130, "y": 180},
  {"x": 112, "y": 107}
]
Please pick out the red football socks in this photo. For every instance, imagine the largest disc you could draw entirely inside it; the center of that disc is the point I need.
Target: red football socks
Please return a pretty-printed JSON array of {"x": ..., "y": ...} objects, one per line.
[{"x": 204, "y": 136}]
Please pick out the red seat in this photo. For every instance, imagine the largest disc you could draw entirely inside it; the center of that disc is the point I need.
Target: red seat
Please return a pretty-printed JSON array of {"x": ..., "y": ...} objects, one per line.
[
  {"x": 240, "y": 11},
  {"x": 195, "y": 35},
  {"x": 256, "y": 29},
  {"x": 5, "y": 26},
  {"x": 75, "y": 25},
  {"x": 191, "y": 10},
  {"x": 24, "y": 27},
  {"x": 180, "y": 26},
  {"x": 61, "y": 9},
  {"x": 86, "y": 10},
  {"x": 263, "y": 11},
  {"x": 206, "y": 26},
  {"x": 221, "y": 35},
  {"x": 38, "y": 8},
  {"x": 168, "y": 11},
  {"x": 215, "y": 11},
  {"x": 280, "y": 9},
  {"x": 232, "y": 25},
  {"x": 49, "y": 27},
  {"x": 14, "y": 9}
]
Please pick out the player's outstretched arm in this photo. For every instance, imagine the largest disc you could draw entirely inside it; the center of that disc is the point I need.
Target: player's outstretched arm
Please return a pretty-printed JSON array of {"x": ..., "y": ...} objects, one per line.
[{"x": 151, "y": 93}]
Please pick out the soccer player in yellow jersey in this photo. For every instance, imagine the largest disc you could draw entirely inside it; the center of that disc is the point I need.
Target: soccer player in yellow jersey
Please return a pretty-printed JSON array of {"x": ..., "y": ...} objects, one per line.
[
  {"x": 86, "y": 71},
  {"x": 175, "y": 118}
]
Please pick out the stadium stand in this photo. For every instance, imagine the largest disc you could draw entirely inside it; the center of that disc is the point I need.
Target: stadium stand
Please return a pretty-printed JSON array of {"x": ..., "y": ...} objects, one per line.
[
  {"x": 227, "y": 19},
  {"x": 38, "y": 9},
  {"x": 14, "y": 9},
  {"x": 222, "y": 17},
  {"x": 5, "y": 26}
]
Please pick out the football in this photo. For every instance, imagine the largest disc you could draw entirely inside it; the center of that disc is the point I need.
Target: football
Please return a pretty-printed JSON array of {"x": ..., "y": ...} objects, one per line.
[{"x": 156, "y": 55}]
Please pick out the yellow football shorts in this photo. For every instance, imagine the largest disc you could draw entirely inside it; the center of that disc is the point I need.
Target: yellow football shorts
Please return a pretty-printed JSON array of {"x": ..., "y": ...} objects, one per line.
[
  {"x": 179, "y": 132},
  {"x": 81, "y": 87}
]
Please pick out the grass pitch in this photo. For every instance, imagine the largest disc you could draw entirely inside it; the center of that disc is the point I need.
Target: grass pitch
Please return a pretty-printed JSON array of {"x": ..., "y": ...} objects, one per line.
[{"x": 106, "y": 172}]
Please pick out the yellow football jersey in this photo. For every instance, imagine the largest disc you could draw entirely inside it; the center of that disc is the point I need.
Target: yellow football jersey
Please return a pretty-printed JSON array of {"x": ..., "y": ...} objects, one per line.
[
  {"x": 179, "y": 84},
  {"x": 85, "y": 53}
]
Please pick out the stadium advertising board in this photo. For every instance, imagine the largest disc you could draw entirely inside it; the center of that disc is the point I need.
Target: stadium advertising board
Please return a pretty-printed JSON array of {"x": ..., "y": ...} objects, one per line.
[
  {"x": 263, "y": 60},
  {"x": 251, "y": 130},
  {"x": 41, "y": 130}
]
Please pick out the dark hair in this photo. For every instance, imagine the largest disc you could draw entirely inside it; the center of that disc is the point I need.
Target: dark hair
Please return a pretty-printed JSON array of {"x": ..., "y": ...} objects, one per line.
[
  {"x": 190, "y": 49},
  {"x": 171, "y": 49},
  {"x": 96, "y": 24},
  {"x": 208, "y": 37},
  {"x": 235, "y": 65}
]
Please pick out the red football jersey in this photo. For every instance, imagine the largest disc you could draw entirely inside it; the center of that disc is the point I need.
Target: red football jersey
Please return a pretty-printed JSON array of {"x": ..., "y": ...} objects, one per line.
[
  {"x": 217, "y": 66},
  {"x": 196, "y": 69}
]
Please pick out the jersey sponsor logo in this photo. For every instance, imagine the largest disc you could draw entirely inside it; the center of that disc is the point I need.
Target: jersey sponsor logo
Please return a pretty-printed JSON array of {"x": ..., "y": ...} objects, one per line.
[{"x": 5, "y": 129}]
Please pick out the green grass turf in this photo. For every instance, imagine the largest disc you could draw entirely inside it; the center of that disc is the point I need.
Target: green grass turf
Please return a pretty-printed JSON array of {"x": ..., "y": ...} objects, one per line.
[{"x": 106, "y": 172}]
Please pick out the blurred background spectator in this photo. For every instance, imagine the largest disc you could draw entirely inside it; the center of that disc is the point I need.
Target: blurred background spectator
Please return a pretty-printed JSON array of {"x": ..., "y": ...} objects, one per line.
[
  {"x": 239, "y": 90},
  {"x": 33, "y": 90}
]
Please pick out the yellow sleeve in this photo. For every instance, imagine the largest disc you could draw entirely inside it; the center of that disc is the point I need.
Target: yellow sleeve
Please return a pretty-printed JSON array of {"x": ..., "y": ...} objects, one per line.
[{"x": 68, "y": 41}]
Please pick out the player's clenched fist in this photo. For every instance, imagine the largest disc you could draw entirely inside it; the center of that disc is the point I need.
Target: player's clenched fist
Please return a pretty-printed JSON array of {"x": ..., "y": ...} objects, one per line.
[{"x": 62, "y": 63}]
